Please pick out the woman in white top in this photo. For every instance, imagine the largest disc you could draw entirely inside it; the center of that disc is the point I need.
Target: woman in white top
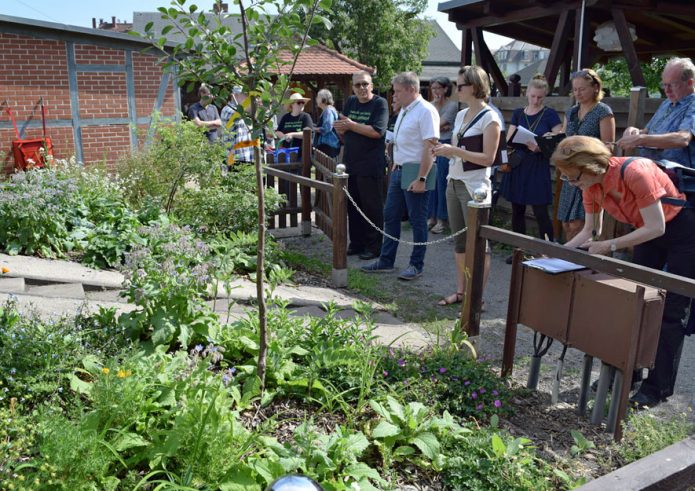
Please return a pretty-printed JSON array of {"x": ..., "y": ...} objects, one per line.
[{"x": 469, "y": 169}]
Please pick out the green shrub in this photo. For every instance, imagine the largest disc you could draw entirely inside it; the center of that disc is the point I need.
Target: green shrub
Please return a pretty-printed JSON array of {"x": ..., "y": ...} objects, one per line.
[{"x": 644, "y": 434}]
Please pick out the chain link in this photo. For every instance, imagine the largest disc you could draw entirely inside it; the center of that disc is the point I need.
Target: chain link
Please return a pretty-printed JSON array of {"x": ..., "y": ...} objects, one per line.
[{"x": 382, "y": 232}]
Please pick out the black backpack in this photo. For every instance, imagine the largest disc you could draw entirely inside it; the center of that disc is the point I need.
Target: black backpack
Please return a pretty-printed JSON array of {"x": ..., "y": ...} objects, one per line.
[{"x": 682, "y": 177}]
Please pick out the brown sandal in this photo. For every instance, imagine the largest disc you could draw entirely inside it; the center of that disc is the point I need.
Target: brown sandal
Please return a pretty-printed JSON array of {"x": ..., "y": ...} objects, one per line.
[{"x": 451, "y": 299}]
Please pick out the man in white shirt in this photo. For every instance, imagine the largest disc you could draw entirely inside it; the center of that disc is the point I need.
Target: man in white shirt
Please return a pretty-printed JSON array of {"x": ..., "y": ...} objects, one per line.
[{"x": 415, "y": 133}]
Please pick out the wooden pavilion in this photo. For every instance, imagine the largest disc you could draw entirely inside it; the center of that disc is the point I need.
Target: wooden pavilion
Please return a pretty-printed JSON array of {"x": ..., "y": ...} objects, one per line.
[{"x": 568, "y": 27}]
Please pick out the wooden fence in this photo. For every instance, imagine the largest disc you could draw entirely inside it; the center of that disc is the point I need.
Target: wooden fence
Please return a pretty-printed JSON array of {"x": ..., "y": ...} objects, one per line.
[{"x": 314, "y": 187}]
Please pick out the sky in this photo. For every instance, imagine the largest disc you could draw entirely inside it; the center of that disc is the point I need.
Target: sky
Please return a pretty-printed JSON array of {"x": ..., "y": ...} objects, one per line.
[{"x": 80, "y": 13}]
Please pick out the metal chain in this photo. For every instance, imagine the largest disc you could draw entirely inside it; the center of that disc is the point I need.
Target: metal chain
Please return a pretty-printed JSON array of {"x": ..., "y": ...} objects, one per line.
[{"x": 382, "y": 232}]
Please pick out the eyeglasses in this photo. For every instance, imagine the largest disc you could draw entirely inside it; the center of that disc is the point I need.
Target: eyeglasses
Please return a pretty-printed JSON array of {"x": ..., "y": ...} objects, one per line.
[
  {"x": 459, "y": 87},
  {"x": 361, "y": 85},
  {"x": 672, "y": 85},
  {"x": 584, "y": 74},
  {"x": 300, "y": 103},
  {"x": 563, "y": 177}
]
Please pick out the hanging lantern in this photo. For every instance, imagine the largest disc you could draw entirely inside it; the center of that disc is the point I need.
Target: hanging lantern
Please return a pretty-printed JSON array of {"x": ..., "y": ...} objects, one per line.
[{"x": 607, "y": 39}]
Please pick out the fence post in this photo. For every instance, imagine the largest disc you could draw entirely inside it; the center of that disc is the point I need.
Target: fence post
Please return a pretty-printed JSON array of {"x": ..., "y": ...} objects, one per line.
[
  {"x": 478, "y": 215},
  {"x": 339, "y": 228},
  {"x": 305, "y": 191},
  {"x": 635, "y": 115}
]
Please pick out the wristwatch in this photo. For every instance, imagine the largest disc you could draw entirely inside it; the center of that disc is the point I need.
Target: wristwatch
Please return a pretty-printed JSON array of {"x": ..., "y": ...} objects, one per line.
[
  {"x": 422, "y": 178},
  {"x": 614, "y": 246}
]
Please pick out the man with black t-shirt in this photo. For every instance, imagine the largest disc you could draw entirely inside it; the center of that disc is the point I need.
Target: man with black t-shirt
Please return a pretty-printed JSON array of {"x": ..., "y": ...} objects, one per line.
[{"x": 362, "y": 127}]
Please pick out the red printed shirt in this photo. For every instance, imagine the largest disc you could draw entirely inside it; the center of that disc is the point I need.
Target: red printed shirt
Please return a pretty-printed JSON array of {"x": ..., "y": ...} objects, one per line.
[{"x": 643, "y": 184}]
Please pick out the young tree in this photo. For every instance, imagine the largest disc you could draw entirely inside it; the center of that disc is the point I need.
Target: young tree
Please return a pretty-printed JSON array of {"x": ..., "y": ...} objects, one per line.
[
  {"x": 386, "y": 34},
  {"x": 214, "y": 54},
  {"x": 616, "y": 76}
]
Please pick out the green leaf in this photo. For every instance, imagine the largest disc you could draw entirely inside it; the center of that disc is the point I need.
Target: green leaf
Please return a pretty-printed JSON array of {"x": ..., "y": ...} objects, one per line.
[
  {"x": 242, "y": 479},
  {"x": 126, "y": 441},
  {"x": 403, "y": 451},
  {"x": 360, "y": 470},
  {"x": 80, "y": 386},
  {"x": 396, "y": 408},
  {"x": 498, "y": 446},
  {"x": 167, "y": 29},
  {"x": 385, "y": 429},
  {"x": 356, "y": 443},
  {"x": 427, "y": 443}
]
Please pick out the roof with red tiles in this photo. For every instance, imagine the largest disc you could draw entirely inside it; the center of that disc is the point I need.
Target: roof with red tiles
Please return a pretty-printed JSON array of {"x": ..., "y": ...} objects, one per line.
[{"x": 320, "y": 60}]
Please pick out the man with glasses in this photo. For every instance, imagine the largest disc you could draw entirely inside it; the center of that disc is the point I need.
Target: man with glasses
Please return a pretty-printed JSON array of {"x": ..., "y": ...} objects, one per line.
[
  {"x": 362, "y": 126},
  {"x": 415, "y": 134},
  {"x": 669, "y": 134}
]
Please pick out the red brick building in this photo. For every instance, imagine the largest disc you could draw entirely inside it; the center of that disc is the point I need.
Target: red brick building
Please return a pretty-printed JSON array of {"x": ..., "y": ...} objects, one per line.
[{"x": 99, "y": 89}]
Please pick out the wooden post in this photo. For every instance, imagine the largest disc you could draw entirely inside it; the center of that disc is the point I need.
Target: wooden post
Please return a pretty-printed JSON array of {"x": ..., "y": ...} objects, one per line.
[
  {"x": 305, "y": 192},
  {"x": 339, "y": 275},
  {"x": 512, "y": 314},
  {"x": 635, "y": 115},
  {"x": 478, "y": 215}
]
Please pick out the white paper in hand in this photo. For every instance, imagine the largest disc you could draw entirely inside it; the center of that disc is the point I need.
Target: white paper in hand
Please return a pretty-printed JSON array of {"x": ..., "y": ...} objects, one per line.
[{"x": 522, "y": 136}]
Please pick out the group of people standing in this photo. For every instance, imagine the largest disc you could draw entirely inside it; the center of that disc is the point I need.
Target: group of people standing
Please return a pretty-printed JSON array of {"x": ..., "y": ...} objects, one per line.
[{"x": 594, "y": 180}]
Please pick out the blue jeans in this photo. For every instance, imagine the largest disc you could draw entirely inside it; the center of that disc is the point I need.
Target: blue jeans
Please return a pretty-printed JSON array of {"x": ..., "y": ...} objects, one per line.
[
  {"x": 398, "y": 200},
  {"x": 437, "y": 201}
]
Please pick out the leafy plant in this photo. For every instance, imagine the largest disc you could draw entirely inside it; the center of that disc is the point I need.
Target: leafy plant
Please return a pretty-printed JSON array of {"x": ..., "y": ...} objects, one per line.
[{"x": 581, "y": 443}]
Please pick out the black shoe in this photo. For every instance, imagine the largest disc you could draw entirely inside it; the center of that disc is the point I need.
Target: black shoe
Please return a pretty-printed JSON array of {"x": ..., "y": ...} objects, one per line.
[
  {"x": 643, "y": 401},
  {"x": 353, "y": 251},
  {"x": 367, "y": 255},
  {"x": 510, "y": 259}
]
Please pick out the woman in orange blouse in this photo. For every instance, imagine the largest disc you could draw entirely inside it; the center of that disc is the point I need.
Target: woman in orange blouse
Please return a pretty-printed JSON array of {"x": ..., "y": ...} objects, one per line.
[{"x": 664, "y": 235}]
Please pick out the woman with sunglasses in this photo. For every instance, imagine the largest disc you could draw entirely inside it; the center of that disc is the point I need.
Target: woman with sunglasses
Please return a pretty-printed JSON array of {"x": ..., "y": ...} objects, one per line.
[
  {"x": 469, "y": 167},
  {"x": 636, "y": 193},
  {"x": 588, "y": 117},
  {"x": 291, "y": 124}
]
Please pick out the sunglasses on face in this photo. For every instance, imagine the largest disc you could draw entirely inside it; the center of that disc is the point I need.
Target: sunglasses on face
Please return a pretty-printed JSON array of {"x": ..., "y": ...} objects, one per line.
[
  {"x": 300, "y": 103},
  {"x": 361, "y": 85}
]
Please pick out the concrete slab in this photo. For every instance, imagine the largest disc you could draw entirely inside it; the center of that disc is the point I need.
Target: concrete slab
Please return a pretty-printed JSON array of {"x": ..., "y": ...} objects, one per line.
[
  {"x": 12, "y": 285},
  {"x": 54, "y": 308},
  {"x": 59, "y": 271},
  {"x": 105, "y": 296},
  {"x": 57, "y": 290},
  {"x": 401, "y": 336}
]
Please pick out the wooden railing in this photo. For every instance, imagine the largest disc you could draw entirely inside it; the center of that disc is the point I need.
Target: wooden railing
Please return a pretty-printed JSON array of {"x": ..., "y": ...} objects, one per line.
[
  {"x": 322, "y": 196},
  {"x": 479, "y": 233}
]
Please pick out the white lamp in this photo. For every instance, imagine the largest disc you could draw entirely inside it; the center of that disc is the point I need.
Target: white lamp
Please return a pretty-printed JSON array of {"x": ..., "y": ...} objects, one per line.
[{"x": 606, "y": 36}]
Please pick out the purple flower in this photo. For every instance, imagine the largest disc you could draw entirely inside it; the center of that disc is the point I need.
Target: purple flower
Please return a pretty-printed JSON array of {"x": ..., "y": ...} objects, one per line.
[
  {"x": 474, "y": 395},
  {"x": 482, "y": 390},
  {"x": 495, "y": 393},
  {"x": 498, "y": 403},
  {"x": 467, "y": 382},
  {"x": 442, "y": 370},
  {"x": 454, "y": 379},
  {"x": 479, "y": 407},
  {"x": 386, "y": 374},
  {"x": 401, "y": 362},
  {"x": 198, "y": 348}
]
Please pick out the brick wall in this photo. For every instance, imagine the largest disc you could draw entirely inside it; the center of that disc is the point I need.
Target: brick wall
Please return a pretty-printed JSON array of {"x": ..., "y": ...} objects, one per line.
[{"x": 35, "y": 67}]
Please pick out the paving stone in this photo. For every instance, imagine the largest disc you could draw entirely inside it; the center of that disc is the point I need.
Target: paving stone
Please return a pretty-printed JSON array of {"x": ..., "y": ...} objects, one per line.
[
  {"x": 59, "y": 271},
  {"x": 12, "y": 285},
  {"x": 105, "y": 296},
  {"x": 58, "y": 290}
]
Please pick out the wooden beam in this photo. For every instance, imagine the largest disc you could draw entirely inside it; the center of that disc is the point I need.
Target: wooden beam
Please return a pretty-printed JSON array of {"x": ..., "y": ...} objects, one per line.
[
  {"x": 535, "y": 12},
  {"x": 485, "y": 59},
  {"x": 581, "y": 39},
  {"x": 466, "y": 48},
  {"x": 628, "y": 46},
  {"x": 557, "y": 49}
]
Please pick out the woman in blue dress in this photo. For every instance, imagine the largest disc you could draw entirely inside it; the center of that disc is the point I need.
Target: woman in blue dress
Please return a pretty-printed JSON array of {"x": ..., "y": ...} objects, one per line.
[
  {"x": 589, "y": 117},
  {"x": 529, "y": 183}
]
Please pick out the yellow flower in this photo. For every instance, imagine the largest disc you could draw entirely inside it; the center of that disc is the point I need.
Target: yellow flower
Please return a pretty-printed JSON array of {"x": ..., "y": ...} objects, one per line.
[
  {"x": 105, "y": 371},
  {"x": 123, "y": 373},
  {"x": 5, "y": 270}
]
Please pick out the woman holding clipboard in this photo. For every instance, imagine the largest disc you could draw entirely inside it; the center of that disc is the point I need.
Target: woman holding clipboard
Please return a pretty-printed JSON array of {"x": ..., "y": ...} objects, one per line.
[
  {"x": 472, "y": 152},
  {"x": 528, "y": 182}
]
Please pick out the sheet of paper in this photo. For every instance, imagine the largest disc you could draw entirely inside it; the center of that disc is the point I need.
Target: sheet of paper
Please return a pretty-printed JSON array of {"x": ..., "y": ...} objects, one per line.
[
  {"x": 522, "y": 136},
  {"x": 553, "y": 265}
]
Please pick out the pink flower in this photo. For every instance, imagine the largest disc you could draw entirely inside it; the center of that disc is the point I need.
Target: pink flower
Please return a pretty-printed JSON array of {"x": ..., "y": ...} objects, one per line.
[
  {"x": 386, "y": 374},
  {"x": 442, "y": 370},
  {"x": 498, "y": 403},
  {"x": 474, "y": 395}
]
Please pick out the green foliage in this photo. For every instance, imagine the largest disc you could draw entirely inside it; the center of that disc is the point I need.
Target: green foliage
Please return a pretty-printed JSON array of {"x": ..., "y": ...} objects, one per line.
[
  {"x": 581, "y": 443},
  {"x": 36, "y": 357},
  {"x": 616, "y": 76},
  {"x": 179, "y": 155},
  {"x": 385, "y": 34},
  {"x": 644, "y": 434},
  {"x": 487, "y": 459},
  {"x": 168, "y": 279},
  {"x": 230, "y": 205},
  {"x": 447, "y": 379},
  {"x": 64, "y": 208}
]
